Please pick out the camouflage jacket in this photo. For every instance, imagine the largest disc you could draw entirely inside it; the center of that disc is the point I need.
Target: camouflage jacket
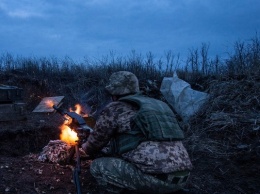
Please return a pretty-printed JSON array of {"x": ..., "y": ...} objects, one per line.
[{"x": 150, "y": 157}]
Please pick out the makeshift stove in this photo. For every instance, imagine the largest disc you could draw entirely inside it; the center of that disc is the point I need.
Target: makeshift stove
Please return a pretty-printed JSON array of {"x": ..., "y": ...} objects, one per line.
[
  {"x": 12, "y": 107},
  {"x": 76, "y": 125}
]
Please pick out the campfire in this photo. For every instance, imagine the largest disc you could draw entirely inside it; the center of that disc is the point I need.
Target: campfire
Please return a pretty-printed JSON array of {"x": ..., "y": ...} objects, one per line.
[
  {"x": 67, "y": 134},
  {"x": 58, "y": 151}
]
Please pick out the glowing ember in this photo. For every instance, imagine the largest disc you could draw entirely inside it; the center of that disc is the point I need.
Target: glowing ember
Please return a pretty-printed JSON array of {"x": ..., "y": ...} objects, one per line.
[
  {"x": 49, "y": 103},
  {"x": 78, "y": 109},
  {"x": 67, "y": 134}
]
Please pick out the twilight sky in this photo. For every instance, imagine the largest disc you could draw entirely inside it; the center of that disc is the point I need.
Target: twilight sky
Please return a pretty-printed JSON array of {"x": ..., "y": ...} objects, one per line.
[{"x": 94, "y": 28}]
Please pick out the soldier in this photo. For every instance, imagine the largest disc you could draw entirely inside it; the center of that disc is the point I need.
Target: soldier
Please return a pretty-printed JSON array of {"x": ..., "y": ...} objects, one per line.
[{"x": 142, "y": 141}]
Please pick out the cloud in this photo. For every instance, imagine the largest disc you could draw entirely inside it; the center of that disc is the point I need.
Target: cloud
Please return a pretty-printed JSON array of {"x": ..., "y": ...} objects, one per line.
[
  {"x": 54, "y": 36},
  {"x": 23, "y": 9},
  {"x": 97, "y": 2},
  {"x": 23, "y": 14},
  {"x": 77, "y": 27}
]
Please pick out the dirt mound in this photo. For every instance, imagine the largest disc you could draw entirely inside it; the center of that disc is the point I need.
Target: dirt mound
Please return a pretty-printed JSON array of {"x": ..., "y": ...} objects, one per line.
[{"x": 223, "y": 138}]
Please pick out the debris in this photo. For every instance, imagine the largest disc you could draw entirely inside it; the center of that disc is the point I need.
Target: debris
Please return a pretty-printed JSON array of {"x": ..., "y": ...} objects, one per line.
[
  {"x": 7, "y": 189},
  {"x": 56, "y": 151},
  {"x": 242, "y": 146}
]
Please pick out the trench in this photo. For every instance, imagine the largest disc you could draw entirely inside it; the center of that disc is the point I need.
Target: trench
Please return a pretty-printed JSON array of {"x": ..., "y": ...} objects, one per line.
[{"x": 18, "y": 138}]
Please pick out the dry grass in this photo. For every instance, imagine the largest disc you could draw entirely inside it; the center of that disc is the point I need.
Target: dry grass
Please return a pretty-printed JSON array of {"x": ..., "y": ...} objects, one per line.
[{"x": 230, "y": 121}]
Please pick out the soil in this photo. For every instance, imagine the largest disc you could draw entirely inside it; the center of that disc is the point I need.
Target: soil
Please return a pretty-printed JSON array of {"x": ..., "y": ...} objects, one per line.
[{"x": 20, "y": 172}]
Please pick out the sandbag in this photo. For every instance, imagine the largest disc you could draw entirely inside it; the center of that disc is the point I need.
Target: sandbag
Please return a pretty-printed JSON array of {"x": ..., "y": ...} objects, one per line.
[{"x": 182, "y": 97}]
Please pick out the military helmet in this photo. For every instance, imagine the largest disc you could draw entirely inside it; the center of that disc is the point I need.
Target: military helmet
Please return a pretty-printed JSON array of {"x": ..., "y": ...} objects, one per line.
[{"x": 122, "y": 83}]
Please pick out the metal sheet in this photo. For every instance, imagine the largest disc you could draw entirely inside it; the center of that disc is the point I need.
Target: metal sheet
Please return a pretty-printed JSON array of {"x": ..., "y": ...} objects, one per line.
[{"x": 46, "y": 104}]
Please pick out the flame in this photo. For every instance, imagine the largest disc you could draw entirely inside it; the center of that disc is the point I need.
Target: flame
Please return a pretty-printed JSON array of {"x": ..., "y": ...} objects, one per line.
[{"x": 67, "y": 134}]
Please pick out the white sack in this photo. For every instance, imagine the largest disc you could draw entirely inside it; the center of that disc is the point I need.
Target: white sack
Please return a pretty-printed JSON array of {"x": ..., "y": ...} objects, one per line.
[{"x": 183, "y": 99}]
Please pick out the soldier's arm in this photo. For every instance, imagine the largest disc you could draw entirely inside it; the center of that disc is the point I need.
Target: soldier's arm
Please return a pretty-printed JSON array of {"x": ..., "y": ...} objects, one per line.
[{"x": 104, "y": 130}]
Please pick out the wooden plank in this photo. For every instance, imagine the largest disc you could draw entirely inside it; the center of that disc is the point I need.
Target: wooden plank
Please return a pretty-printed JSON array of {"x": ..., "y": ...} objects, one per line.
[
  {"x": 10, "y": 93},
  {"x": 46, "y": 104},
  {"x": 12, "y": 112},
  {"x": 12, "y": 117}
]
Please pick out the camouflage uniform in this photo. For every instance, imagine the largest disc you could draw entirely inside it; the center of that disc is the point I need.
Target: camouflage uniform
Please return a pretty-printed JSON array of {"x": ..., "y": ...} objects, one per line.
[
  {"x": 152, "y": 167},
  {"x": 138, "y": 168},
  {"x": 116, "y": 174}
]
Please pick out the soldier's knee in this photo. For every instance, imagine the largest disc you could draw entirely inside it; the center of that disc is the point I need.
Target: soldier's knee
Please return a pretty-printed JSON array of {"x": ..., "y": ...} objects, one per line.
[
  {"x": 95, "y": 167},
  {"x": 101, "y": 165}
]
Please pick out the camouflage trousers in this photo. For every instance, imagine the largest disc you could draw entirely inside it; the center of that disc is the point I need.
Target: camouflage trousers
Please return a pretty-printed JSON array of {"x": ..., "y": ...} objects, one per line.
[{"x": 115, "y": 175}]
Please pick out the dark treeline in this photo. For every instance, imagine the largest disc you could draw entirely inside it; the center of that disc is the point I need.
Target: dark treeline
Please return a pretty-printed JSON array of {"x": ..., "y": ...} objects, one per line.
[{"x": 244, "y": 60}]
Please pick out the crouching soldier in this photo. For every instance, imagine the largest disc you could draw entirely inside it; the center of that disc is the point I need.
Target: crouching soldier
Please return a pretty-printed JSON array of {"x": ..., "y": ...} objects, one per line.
[{"x": 142, "y": 140}]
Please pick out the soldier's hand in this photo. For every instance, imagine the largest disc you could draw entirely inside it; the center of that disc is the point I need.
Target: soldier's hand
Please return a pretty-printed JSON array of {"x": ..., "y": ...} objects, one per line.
[{"x": 84, "y": 147}]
